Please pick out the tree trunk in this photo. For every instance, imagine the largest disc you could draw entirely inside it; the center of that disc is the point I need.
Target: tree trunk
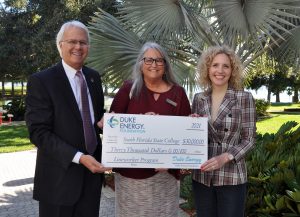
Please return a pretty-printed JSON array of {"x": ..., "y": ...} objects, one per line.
[
  {"x": 105, "y": 90},
  {"x": 3, "y": 89},
  {"x": 12, "y": 89},
  {"x": 22, "y": 88},
  {"x": 277, "y": 96},
  {"x": 295, "y": 98},
  {"x": 269, "y": 96}
]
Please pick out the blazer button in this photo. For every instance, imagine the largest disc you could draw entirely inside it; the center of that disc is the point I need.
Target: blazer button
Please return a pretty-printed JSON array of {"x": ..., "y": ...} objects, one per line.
[
  {"x": 230, "y": 115},
  {"x": 225, "y": 129},
  {"x": 219, "y": 143}
]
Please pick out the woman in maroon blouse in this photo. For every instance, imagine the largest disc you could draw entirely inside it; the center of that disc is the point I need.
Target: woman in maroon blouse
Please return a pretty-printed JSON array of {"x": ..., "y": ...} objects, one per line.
[{"x": 153, "y": 90}]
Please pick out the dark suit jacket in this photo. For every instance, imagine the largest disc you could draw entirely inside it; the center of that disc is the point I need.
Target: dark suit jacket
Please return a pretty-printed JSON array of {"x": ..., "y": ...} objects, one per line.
[{"x": 55, "y": 127}]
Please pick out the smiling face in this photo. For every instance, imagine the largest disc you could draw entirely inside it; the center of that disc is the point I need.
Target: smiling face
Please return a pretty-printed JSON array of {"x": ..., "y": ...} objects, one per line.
[
  {"x": 220, "y": 70},
  {"x": 74, "y": 47},
  {"x": 153, "y": 72}
]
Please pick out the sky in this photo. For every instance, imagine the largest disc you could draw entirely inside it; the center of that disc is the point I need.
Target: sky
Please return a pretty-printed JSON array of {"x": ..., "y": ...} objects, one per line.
[{"x": 262, "y": 94}]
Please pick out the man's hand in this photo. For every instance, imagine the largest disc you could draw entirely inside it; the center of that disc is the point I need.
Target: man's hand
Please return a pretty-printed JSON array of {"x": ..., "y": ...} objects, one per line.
[{"x": 92, "y": 164}]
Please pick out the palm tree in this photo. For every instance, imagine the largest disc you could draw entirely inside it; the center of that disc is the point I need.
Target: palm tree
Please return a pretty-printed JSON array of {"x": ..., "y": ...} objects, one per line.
[{"x": 187, "y": 27}]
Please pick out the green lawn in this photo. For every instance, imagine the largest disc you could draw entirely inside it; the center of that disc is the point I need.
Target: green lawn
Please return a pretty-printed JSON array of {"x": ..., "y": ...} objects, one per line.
[
  {"x": 18, "y": 90},
  {"x": 14, "y": 138},
  {"x": 272, "y": 124},
  {"x": 281, "y": 106}
]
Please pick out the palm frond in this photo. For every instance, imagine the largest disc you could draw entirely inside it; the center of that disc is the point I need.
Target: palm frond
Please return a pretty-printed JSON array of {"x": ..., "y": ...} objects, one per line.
[
  {"x": 187, "y": 27},
  {"x": 289, "y": 49},
  {"x": 113, "y": 49},
  {"x": 244, "y": 18},
  {"x": 153, "y": 19}
]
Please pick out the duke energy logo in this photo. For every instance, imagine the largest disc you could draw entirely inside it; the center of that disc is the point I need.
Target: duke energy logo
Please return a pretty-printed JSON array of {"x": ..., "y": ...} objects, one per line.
[
  {"x": 130, "y": 124},
  {"x": 113, "y": 122}
]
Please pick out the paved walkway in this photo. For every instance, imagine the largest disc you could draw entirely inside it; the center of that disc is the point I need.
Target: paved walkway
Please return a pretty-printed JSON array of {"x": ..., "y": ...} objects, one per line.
[{"x": 16, "y": 184}]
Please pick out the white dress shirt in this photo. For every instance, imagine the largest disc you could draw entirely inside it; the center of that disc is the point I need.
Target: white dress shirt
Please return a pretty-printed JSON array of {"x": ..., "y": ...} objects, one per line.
[{"x": 73, "y": 79}]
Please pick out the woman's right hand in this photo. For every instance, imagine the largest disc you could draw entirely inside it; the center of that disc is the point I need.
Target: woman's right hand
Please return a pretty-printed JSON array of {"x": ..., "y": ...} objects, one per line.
[{"x": 215, "y": 163}]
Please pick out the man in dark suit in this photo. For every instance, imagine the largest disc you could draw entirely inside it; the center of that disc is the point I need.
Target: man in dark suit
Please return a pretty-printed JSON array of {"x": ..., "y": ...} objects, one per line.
[{"x": 68, "y": 175}]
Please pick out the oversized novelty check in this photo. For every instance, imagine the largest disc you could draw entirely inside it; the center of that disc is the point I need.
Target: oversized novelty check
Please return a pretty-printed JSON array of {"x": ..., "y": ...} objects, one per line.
[{"x": 154, "y": 141}]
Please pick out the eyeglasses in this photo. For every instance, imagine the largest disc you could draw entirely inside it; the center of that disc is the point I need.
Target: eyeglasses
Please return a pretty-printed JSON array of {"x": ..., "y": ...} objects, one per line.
[
  {"x": 73, "y": 43},
  {"x": 158, "y": 61}
]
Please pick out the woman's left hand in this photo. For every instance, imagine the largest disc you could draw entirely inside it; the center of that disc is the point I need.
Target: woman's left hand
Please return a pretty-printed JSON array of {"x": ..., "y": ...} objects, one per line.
[
  {"x": 161, "y": 170},
  {"x": 215, "y": 163},
  {"x": 150, "y": 113},
  {"x": 100, "y": 123}
]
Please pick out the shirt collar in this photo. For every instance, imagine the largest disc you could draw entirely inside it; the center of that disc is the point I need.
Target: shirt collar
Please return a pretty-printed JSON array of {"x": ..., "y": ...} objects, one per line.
[{"x": 70, "y": 72}]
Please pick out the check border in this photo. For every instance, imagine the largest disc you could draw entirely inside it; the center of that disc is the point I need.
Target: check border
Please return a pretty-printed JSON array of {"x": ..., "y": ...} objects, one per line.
[{"x": 154, "y": 141}]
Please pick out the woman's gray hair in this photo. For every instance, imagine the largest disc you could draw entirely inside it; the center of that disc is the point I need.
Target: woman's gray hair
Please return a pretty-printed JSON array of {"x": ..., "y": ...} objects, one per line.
[
  {"x": 137, "y": 74},
  {"x": 65, "y": 26}
]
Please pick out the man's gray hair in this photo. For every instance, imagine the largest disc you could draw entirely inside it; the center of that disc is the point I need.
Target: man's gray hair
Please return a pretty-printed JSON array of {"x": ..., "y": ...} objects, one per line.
[{"x": 65, "y": 26}]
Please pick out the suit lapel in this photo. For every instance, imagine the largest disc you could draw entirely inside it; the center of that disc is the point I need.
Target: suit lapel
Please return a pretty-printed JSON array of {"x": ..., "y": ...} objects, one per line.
[
  {"x": 207, "y": 110},
  {"x": 225, "y": 108},
  {"x": 90, "y": 80},
  {"x": 207, "y": 105},
  {"x": 65, "y": 88}
]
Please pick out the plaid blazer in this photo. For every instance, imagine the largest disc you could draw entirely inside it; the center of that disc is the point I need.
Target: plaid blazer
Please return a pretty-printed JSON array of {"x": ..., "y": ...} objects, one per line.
[{"x": 233, "y": 131}]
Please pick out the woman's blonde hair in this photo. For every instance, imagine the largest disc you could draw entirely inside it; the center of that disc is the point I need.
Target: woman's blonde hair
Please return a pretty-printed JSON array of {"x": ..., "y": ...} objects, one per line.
[{"x": 205, "y": 61}]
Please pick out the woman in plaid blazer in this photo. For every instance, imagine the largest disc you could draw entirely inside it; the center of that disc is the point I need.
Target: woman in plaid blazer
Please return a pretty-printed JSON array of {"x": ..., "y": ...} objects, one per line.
[{"x": 220, "y": 184}]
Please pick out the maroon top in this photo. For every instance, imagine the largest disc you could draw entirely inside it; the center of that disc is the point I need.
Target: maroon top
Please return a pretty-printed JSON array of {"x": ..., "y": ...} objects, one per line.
[{"x": 172, "y": 102}]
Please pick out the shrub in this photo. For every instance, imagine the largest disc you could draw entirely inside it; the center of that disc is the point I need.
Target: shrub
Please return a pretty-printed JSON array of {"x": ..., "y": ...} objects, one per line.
[
  {"x": 186, "y": 192},
  {"x": 274, "y": 174},
  {"x": 261, "y": 107}
]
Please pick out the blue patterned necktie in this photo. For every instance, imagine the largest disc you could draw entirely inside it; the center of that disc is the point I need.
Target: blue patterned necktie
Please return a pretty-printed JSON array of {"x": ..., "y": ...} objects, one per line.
[{"x": 89, "y": 131}]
